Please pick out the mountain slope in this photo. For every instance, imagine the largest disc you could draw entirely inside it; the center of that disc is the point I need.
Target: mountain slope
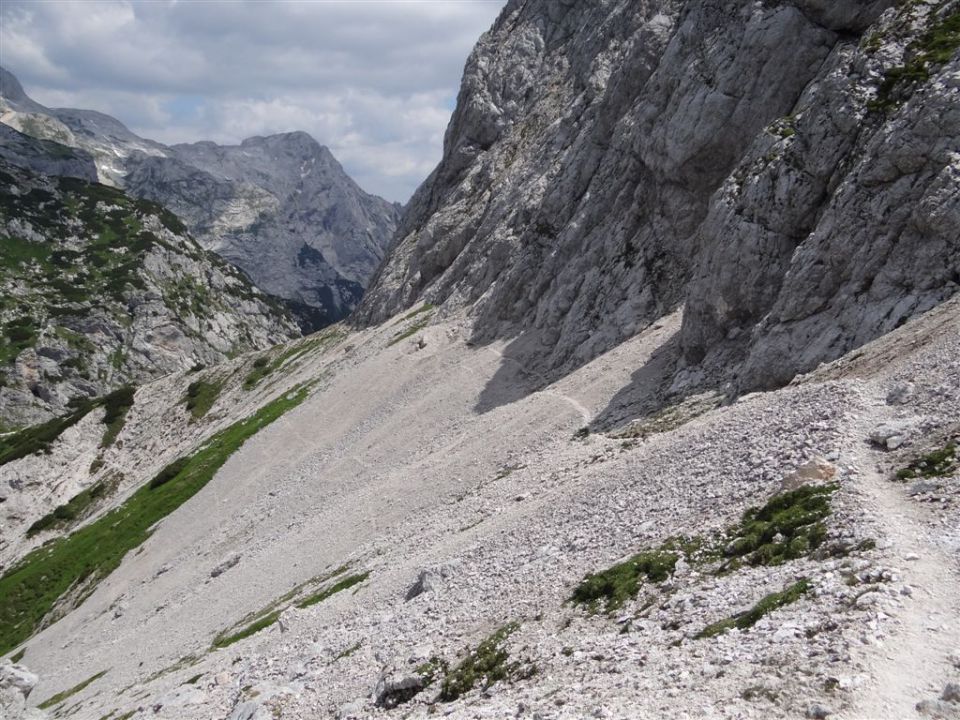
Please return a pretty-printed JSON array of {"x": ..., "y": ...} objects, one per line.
[
  {"x": 441, "y": 513},
  {"x": 100, "y": 289},
  {"x": 610, "y": 161},
  {"x": 281, "y": 208},
  {"x": 345, "y": 560}
]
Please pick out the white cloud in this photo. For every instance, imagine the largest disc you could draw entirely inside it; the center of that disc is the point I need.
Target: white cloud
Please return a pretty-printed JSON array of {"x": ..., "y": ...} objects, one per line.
[{"x": 372, "y": 79}]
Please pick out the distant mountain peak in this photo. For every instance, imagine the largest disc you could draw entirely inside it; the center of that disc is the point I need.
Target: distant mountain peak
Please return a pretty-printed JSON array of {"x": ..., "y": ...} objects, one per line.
[
  {"x": 256, "y": 203},
  {"x": 12, "y": 92}
]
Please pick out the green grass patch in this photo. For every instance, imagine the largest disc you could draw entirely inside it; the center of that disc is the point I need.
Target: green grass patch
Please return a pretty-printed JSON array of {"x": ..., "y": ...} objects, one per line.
[
  {"x": 283, "y": 602},
  {"x": 320, "y": 596},
  {"x": 347, "y": 652},
  {"x": 412, "y": 330},
  {"x": 39, "y": 438},
  {"x": 789, "y": 526},
  {"x": 75, "y": 563},
  {"x": 224, "y": 640},
  {"x": 426, "y": 307},
  {"x": 485, "y": 666},
  {"x": 929, "y": 51},
  {"x": 61, "y": 696},
  {"x": 76, "y": 508},
  {"x": 615, "y": 585},
  {"x": 116, "y": 405},
  {"x": 202, "y": 394},
  {"x": 265, "y": 365},
  {"x": 938, "y": 463},
  {"x": 767, "y": 605},
  {"x": 181, "y": 664}
]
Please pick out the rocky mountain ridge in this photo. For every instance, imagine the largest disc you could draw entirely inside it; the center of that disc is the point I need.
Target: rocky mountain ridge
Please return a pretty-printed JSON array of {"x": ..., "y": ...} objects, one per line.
[
  {"x": 280, "y": 208},
  {"x": 610, "y": 161}
]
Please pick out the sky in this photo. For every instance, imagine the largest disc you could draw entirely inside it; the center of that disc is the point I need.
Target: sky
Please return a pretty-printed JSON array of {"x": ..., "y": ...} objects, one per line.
[{"x": 373, "y": 80}]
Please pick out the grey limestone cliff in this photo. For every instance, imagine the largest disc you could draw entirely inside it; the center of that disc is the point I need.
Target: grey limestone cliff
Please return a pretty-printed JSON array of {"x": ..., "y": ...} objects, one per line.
[
  {"x": 282, "y": 209},
  {"x": 788, "y": 171}
]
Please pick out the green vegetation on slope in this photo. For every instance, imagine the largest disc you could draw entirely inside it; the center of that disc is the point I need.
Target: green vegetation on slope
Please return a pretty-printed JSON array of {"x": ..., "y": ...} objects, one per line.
[
  {"x": 413, "y": 329},
  {"x": 932, "y": 49},
  {"x": 488, "y": 664},
  {"x": 266, "y": 364},
  {"x": 935, "y": 464},
  {"x": 80, "y": 247},
  {"x": 61, "y": 696},
  {"x": 617, "y": 584},
  {"x": 223, "y": 640},
  {"x": 766, "y": 605},
  {"x": 426, "y": 307},
  {"x": 115, "y": 406},
  {"x": 61, "y": 277},
  {"x": 259, "y": 620},
  {"x": 74, "y": 509},
  {"x": 74, "y": 564},
  {"x": 788, "y": 526},
  {"x": 202, "y": 394},
  {"x": 347, "y": 582},
  {"x": 39, "y": 438}
]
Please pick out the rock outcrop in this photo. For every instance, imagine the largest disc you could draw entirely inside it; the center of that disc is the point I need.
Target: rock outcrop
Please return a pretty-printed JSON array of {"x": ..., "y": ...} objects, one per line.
[
  {"x": 16, "y": 684},
  {"x": 45, "y": 156},
  {"x": 100, "y": 289},
  {"x": 788, "y": 171}
]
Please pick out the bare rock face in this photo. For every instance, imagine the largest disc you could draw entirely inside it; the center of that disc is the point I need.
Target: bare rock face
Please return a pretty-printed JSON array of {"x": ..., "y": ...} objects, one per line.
[
  {"x": 16, "y": 684},
  {"x": 283, "y": 210},
  {"x": 764, "y": 164},
  {"x": 280, "y": 208},
  {"x": 45, "y": 156}
]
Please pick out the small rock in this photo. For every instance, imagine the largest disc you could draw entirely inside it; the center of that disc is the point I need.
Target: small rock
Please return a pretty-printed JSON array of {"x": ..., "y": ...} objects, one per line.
[
  {"x": 900, "y": 393},
  {"x": 951, "y": 693},
  {"x": 250, "y": 711},
  {"x": 352, "y": 709},
  {"x": 938, "y": 709},
  {"x": 895, "y": 441},
  {"x": 892, "y": 434},
  {"x": 17, "y": 677},
  {"x": 911, "y": 557},
  {"x": 922, "y": 486},
  {"x": 818, "y": 712},
  {"x": 429, "y": 580},
  {"x": 954, "y": 659},
  {"x": 814, "y": 470},
  {"x": 224, "y": 566},
  {"x": 393, "y": 690}
]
